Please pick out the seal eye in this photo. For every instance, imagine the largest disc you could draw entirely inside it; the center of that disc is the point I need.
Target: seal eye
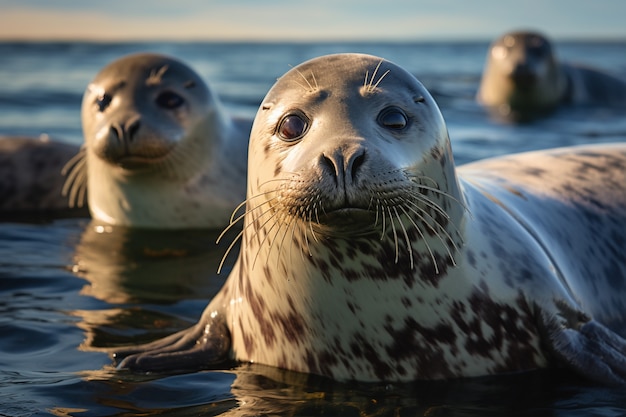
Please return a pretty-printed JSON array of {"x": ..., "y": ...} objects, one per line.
[
  {"x": 292, "y": 127},
  {"x": 169, "y": 100},
  {"x": 103, "y": 101},
  {"x": 393, "y": 118}
]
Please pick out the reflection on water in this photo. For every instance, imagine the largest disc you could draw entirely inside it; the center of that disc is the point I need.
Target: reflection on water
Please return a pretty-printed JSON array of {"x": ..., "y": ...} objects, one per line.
[
  {"x": 165, "y": 272},
  {"x": 147, "y": 266},
  {"x": 258, "y": 391}
]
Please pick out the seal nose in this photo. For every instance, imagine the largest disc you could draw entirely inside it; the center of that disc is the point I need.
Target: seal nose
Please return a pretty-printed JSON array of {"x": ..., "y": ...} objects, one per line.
[
  {"x": 343, "y": 165},
  {"x": 523, "y": 75},
  {"x": 128, "y": 131}
]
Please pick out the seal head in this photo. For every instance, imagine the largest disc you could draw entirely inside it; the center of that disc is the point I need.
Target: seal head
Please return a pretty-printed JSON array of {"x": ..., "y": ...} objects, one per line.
[
  {"x": 522, "y": 75},
  {"x": 523, "y": 79},
  {"x": 156, "y": 145}
]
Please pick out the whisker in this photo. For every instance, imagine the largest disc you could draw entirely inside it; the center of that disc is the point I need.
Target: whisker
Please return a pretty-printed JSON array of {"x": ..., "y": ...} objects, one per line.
[
  {"x": 432, "y": 256},
  {"x": 443, "y": 229},
  {"x": 230, "y": 247},
  {"x": 380, "y": 79},
  {"x": 301, "y": 85},
  {"x": 76, "y": 171},
  {"x": 69, "y": 165},
  {"x": 435, "y": 232},
  {"x": 295, "y": 224},
  {"x": 267, "y": 235},
  {"x": 311, "y": 226},
  {"x": 414, "y": 176},
  {"x": 73, "y": 183},
  {"x": 377, "y": 210},
  {"x": 239, "y": 235},
  {"x": 430, "y": 203},
  {"x": 409, "y": 248},
  {"x": 445, "y": 194},
  {"x": 315, "y": 206},
  {"x": 371, "y": 82},
  {"x": 233, "y": 222},
  {"x": 395, "y": 235},
  {"x": 274, "y": 240},
  {"x": 382, "y": 233},
  {"x": 314, "y": 80},
  {"x": 82, "y": 190},
  {"x": 280, "y": 246},
  {"x": 243, "y": 203},
  {"x": 306, "y": 240},
  {"x": 306, "y": 80}
]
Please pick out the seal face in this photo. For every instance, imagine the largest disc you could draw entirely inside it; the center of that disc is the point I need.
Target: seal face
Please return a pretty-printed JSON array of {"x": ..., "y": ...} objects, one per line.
[
  {"x": 365, "y": 257},
  {"x": 159, "y": 150},
  {"x": 523, "y": 79}
]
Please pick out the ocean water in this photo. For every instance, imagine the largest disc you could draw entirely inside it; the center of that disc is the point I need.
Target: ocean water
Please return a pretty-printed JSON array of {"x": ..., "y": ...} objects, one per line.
[{"x": 70, "y": 291}]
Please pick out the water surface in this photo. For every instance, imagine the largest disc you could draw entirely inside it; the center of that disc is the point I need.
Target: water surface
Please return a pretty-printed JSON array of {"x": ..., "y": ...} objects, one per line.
[{"x": 69, "y": 290}]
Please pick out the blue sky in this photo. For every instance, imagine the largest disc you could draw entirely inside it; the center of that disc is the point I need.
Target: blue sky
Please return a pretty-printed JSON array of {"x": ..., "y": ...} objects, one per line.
[{"x": 318, "y": 20}]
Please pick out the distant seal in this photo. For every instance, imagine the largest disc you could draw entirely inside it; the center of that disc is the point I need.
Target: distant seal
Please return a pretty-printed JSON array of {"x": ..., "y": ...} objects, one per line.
[
  {"x": 523, "y": 79},
  {"x": 159, "y": 151},
  {"x": 31, "y": 183},
  {"x": 366, "y": 255}
]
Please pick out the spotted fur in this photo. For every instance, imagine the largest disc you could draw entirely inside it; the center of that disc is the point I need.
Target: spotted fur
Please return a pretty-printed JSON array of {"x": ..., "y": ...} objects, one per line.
[
  {"x": 365, "y": 257},
  {"x": 32, "y": 183}
]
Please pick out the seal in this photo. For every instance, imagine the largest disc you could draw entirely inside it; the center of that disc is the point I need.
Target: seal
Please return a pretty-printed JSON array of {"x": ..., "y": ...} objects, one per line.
[
  {"x": 523, "y": 79},
  {"x": 366, "y": 255},
  {"x": 159, "y": 151},
  {"x": 31, "y": 183}
]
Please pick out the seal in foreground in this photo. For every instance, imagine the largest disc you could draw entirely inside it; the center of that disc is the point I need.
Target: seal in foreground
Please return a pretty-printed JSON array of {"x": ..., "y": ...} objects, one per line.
[{"x": 365, "y": 255}]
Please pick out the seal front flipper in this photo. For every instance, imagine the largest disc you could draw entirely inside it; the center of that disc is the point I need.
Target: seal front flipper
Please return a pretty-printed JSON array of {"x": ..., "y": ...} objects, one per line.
[
  {"x": 199, "y": 347},
  {"x": 586, "y": 346}
]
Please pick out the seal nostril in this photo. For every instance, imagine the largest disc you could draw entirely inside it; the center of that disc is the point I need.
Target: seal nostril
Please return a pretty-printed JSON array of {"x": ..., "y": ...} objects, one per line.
[
  {"x": 357, "y": 163},
  {"x": 116, "y": 131},
  {"x": 329, "y": 165},
  {"x": 132, "y": 129}
]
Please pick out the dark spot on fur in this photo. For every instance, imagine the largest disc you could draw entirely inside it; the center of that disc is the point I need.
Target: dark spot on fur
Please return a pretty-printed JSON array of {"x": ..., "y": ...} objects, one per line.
[{"x": 471, "y": 258}]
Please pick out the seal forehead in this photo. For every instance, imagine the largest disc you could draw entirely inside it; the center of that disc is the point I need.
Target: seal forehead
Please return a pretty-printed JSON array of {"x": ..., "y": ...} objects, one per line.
[
  {"x": 147, "y": 70},
  {"x": 346, "y": 73}
]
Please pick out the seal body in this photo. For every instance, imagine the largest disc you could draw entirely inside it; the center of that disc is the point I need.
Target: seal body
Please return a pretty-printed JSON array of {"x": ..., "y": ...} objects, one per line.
[
  {"x": 366, "y": 256},
  {"x": 32, "y": 182},
  {"x": 523, "y": 79},
  {"x": 159, "y": 151}
]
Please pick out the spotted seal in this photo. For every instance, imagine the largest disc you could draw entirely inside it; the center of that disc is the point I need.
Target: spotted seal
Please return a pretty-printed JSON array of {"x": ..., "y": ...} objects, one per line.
[
  {"x": 366, "y": 255},
  {"x": 159, "y": 151},
  {"x": 523, "y": 79},
  {"x": 31, "y": 183}
]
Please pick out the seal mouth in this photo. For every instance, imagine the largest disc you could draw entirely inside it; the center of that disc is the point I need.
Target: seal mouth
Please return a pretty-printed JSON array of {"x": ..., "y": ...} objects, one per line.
[
  {"x": 524, "y": 80},
  {"x": 347, "y": 213},
  {"x": 137, "y": 162},
  {"x": 347, "y": 221}
]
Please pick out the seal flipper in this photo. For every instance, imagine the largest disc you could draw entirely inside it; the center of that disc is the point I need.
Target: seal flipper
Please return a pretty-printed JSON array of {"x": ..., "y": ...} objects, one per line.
[
  {"x": 196, "y": 348},
  {"x": 587, "y": 347}
]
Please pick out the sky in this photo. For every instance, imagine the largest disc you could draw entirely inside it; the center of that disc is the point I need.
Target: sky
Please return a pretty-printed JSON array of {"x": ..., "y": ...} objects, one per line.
[{"x": 317, "y": 20}]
